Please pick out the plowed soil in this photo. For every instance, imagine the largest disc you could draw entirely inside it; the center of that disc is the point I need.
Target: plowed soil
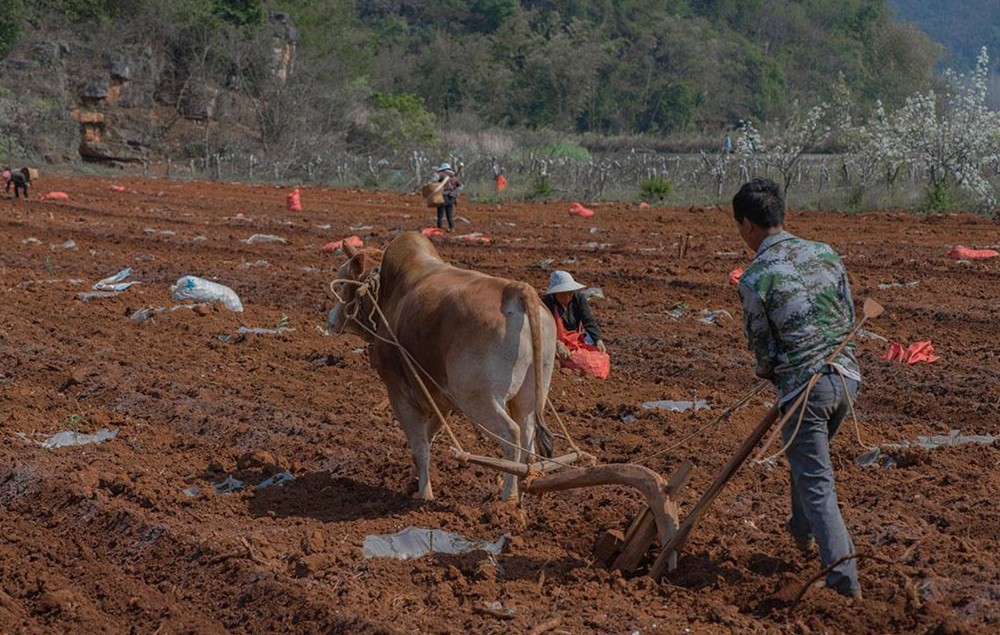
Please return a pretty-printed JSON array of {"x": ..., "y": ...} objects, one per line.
[{"x": 129, "y": 534}]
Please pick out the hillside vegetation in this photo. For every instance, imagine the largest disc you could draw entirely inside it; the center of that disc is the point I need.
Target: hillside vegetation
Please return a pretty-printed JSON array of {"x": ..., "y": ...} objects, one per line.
[
  {"x": 961, "y": 26},
  {"x": 390, "y": 73}
]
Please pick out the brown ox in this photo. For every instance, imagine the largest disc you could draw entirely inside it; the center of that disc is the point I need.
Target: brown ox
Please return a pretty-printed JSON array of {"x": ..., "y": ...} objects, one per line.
[{"x": 485, "y": 346}]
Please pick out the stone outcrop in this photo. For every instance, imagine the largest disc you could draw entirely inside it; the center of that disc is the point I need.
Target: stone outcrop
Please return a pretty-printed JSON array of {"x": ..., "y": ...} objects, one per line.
[{"x": 136, "y": 104}]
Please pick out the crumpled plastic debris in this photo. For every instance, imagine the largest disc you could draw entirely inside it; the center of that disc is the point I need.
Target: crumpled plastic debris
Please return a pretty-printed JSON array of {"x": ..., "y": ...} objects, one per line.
[
  {"x": 432, "y": 231},
  {"x": 735, "y": 275},
  {"x": 915, "y": 352},
  {"x": 475, "y": 237},
  {"x": 676, "y": 406},
  {"x": 68, "y": 438},
  {"x": 116, "y": 188},
  {"x": 414, "y": 542},
  {"x": 579, "y": 210},
  {"x": 710, "y": 316},
  {"x": 869, "y": 335},
  {"x": 958, "y": 252},
  {"x": 115, "y": 283},
  {"x": 953, "y": 438},
  {"x": 894, "y": 285},
  {"x": 232, "y": 484},
  {"x": 54, "y": 196},
  {"x": 277, "y": 479},
  {"x": 258, "y": 331},
  {"x": 265, "y": 238},
  {"x": 677, "y": 311},
  {"x": 201, "y": 290}
]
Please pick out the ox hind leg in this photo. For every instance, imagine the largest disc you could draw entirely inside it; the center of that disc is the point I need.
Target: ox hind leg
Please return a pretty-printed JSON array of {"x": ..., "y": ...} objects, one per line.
[
  {"x": 419, "y": 428},
  {"x": 502, "y": 428}
]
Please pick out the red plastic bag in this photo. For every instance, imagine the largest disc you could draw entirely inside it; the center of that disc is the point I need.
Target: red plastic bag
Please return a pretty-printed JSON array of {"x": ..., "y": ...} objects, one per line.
[
  {"x": 579, "y": 210},
  {"x": 735, "y": 275},
  {"x": 915, "y": 352},
  {"x": 501, "y": 183},
  {"x": 432, "y": 231},
  {"x": 116, "y": 188},
  {"x": 292, "y": 201},
  {"x": 588, "y": 360},
  {"x": 54, "y": 196},
  {"x": 354, "y": 241},
  {"x": 958, "y": 252},
  {"x": 584, "y": 358}
]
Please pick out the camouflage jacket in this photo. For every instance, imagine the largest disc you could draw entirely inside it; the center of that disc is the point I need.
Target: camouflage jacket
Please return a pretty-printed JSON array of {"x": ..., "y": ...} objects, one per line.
[{"x": 797, "y": 309}]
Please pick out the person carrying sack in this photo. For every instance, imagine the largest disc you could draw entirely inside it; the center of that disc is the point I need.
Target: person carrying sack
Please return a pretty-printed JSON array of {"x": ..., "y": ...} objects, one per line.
[
  {"x": 579, "y": 345},
  {"x": 443, "y": 190}
]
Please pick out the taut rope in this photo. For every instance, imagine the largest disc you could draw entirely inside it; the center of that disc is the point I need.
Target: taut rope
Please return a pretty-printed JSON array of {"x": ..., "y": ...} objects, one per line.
[{"x": 369, "y": 286}]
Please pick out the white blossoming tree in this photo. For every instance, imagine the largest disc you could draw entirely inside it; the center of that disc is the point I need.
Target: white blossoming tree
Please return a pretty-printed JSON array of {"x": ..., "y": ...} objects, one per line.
[
  {"x": 876, "y": 153},
  {"x": 802, "y": 131},
  {"x": 953, "y": 137}
]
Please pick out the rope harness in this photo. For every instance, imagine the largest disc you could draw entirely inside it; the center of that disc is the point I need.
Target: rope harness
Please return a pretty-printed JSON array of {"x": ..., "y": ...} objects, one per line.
[{"x": 368, "y": 286}]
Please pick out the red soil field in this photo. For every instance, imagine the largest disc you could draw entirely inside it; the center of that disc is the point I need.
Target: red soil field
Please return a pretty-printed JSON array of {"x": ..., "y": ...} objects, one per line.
[{"x": 103, "y": 538}]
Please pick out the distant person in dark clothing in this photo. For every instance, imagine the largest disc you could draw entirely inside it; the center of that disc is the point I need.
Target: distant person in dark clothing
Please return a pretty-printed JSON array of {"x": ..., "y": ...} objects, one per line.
[
  {"x": 452, "y": 187},
  {"x": 566, "y": 300},
  {"x": 20, "y": 180}
]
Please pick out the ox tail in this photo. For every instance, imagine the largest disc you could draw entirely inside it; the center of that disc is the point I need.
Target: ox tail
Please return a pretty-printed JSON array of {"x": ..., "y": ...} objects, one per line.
[{"x": 531, "y": 304}]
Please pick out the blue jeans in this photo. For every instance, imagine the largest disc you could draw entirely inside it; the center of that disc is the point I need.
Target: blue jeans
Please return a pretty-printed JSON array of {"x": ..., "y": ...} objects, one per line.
[{"x": 815, "y": 511}]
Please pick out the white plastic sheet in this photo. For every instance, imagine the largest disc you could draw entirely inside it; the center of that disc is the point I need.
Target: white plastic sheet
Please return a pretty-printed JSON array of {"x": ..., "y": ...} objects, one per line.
[
  {"x": 676, "y": 406},
  {"x": 414, "y": 542},
  {"x": 68, "y": 438}
]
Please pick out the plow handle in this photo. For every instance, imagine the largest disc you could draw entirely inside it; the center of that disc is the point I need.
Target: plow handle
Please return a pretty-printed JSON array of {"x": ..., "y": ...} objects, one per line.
[{"x": 713, "y": 491}]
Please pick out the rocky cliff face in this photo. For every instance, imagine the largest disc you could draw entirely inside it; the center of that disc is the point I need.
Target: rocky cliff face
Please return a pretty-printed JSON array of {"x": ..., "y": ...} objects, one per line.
[{"x": 67, "y": 102}]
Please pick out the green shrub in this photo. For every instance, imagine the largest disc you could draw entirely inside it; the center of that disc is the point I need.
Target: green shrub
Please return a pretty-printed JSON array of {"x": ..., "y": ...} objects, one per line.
[
  {"x": 656, "y": 189},
  {"x": 541, "y": 188},
  {"x": 10, "y": 25},
  {"x": 937, "y": 198},
  {"x": 401, "y": 118},
  {"x": 565, "y": 149}
]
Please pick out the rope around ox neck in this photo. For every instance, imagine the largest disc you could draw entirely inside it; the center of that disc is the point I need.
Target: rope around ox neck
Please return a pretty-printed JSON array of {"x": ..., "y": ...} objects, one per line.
[{"x": 370, "y": 286}]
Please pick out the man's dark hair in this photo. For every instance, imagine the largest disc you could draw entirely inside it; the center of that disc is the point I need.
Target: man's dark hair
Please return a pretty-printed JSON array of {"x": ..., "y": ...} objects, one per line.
[{"x": 762, "y": 202}]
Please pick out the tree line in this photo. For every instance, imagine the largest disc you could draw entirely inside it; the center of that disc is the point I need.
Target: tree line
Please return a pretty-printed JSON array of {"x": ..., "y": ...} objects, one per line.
[{"x": 606, "y": 67}]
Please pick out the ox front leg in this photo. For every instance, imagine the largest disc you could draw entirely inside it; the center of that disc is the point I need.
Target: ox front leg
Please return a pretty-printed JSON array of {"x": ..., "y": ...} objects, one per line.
[{"x": 418, "y": 430}]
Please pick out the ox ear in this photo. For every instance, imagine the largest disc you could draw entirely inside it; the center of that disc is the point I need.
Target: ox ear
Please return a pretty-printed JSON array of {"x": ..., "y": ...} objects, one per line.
[{"x": 357, "y": 262}]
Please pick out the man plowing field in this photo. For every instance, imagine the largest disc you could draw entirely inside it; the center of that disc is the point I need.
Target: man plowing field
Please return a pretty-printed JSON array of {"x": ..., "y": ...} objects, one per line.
[{"x": 797, "y": 312}]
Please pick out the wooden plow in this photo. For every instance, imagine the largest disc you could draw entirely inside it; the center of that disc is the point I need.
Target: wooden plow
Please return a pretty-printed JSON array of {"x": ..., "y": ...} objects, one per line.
[{"x": 659, "y": 519}]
